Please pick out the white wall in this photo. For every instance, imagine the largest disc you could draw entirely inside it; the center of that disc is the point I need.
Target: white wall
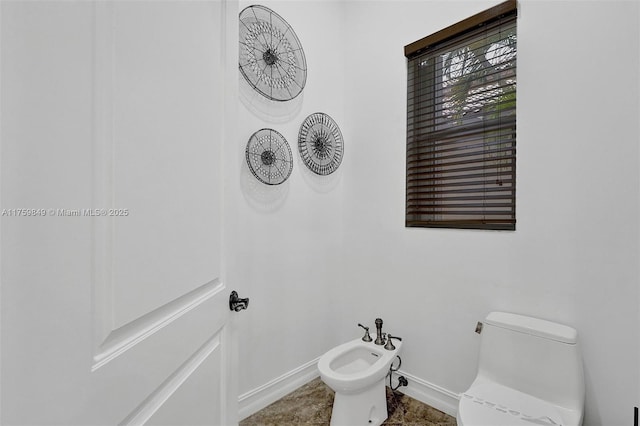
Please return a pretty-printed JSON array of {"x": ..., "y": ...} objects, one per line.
[
  {"x": 319, "y": 256},
  {"x": 284, "y": 242},
  {"x": 574, "y": 255}
]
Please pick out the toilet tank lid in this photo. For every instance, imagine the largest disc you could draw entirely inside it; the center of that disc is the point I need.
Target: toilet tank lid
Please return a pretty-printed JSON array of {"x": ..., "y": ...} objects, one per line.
[{"x": 533, "y": 326}]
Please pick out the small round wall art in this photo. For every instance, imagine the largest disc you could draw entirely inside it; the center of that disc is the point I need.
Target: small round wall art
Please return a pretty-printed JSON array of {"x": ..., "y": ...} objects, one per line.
[
  {"x": 271, "y": 56},
  {"x": 320, "y": 144},
  {"x": 269, "y": 157}
]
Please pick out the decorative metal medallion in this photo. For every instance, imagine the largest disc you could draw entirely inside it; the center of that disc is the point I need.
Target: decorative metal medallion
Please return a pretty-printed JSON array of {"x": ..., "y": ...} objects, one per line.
[
  {"x": 271, "y": 56},
  {"x": 320, "y": 144},
  {"x": 269, "y": 157}
]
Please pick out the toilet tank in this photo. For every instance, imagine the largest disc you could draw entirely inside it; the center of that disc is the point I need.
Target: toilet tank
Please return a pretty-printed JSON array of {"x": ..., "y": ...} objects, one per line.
[{"x": 534, "y": 356}]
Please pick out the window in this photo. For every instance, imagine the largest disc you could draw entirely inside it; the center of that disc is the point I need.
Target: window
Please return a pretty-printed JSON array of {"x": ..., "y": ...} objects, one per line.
[{"x": 461, "y": 124}]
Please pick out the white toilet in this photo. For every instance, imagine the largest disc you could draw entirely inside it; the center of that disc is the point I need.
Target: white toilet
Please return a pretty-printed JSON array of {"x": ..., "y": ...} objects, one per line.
[
  {"x": 529, "y": 373},
  {"x": 356, "y": 371}
]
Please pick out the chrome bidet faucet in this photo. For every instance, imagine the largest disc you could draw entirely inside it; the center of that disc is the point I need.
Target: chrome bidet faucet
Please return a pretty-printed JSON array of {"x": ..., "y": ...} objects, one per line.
[
  {"x": 366, "y": 337},
  {"x": 390, "y": 346},
  {"x": 380, "y": 336}
]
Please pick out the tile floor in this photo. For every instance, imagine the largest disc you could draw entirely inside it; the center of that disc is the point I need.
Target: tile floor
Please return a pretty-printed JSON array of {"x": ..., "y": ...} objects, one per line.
[{"x": 311, "y": 405}]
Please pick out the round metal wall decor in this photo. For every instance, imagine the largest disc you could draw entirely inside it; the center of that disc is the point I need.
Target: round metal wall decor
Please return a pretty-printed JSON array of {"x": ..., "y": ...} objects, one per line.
[
  {"x": 269, "y": 157},
  {"x": 320, "y": 144},
  {"x": 271, "y": 56}
]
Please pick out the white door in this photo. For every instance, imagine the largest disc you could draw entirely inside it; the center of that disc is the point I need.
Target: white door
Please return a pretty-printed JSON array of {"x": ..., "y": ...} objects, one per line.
[{"x": 114, "y": 307}]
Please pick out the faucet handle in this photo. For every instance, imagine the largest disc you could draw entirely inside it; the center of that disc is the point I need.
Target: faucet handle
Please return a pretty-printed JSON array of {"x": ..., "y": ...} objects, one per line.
[
  {"x": 366, "y": 337},
  {"x": 389, "y": 346}
]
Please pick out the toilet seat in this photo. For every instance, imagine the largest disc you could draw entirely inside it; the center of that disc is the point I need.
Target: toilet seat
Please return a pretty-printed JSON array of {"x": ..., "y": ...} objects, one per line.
[{"x": 492, "y": 404}]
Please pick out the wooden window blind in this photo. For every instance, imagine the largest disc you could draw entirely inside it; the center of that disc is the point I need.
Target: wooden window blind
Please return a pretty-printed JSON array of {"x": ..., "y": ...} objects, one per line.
[{"x": 461, "y": 124}]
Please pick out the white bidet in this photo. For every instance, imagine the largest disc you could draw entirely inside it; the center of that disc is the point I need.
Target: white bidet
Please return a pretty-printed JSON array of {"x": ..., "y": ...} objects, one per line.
[{"x": 356, "y": 371}]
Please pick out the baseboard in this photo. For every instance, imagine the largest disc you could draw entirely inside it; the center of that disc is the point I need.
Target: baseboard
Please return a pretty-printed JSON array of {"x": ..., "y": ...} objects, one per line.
[
  {"x": 422, "y": 390},
  {"x": 258, "y": 398},
  {"x": 433, "y": 395}
]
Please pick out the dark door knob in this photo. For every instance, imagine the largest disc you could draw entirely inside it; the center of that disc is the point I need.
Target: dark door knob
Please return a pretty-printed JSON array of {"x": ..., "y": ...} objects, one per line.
[{"x": 236, "y": 303}]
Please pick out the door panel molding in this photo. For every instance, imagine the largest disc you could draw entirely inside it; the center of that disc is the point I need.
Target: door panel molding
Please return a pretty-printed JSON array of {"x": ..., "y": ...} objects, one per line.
[
  {"x": 129, "y": 335},
  {"x": 141, "y": 414}
]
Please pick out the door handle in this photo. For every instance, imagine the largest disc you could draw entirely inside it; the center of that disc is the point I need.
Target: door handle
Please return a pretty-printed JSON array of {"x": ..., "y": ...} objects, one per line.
[{"x": 236, "y": 303}]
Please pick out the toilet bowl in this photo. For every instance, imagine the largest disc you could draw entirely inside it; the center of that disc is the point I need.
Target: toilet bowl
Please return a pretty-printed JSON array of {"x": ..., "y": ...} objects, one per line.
[
  {"x": 356, "y": 371},
  {"x": 529, "y": 373}
]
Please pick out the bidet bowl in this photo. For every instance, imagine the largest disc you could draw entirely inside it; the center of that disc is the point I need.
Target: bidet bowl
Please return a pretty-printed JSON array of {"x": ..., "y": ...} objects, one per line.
[{"x": 356, "y": 365}]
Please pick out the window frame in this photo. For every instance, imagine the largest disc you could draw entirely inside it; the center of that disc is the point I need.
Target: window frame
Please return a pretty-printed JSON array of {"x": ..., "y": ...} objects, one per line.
[{"x": 458, "y": 31}]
